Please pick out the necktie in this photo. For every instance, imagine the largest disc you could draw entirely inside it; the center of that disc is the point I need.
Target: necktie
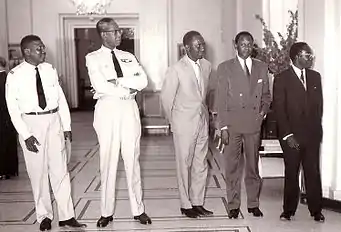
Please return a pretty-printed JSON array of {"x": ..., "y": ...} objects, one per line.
[
  {"x": 117, "y": 65},
  {"x": 302, "y": 77},
  {"x": 40, "y": 91},
  {"x": 246, "y": 69}
]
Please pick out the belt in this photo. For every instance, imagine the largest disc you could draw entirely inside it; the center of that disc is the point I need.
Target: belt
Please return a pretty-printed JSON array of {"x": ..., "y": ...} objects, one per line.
[
  {"x": 127, "y": 97},
  {"x": 43, "y": 112}
]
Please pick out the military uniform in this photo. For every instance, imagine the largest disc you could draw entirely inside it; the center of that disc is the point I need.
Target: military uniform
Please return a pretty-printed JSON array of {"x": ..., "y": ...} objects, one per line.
[
  {"x": 117, "y": 123},
  {"x": 47, "y": 126}
]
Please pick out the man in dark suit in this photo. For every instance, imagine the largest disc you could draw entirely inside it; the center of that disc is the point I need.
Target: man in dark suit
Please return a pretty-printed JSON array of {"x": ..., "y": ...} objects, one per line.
[
  {"x": 298, "y": 107},
  {"x": 243, "y": 99}
]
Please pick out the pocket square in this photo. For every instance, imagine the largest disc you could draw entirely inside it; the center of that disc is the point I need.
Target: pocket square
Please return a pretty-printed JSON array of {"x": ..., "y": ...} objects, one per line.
[
  {"x": 126, "y": 60},
  {"x": 260, "y": 81}
]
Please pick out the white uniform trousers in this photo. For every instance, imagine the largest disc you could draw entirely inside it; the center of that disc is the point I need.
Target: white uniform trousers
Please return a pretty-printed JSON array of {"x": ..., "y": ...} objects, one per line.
[
  {"x": 118, "y": 127},
  {"x": 48, "y": 164}
]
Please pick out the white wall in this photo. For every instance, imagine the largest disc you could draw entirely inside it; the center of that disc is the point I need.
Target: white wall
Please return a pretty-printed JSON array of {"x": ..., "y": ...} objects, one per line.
[
  {"x": 41, "y": 17},
  {"x": 162, "y": 25},
  {"x": 200, "y": 15},
  {"x": 321, "y": 28},
  {"x": 3, "y": 30},
  {"x": 246, "y": 21},
  {"x": 275, "y": 13}
]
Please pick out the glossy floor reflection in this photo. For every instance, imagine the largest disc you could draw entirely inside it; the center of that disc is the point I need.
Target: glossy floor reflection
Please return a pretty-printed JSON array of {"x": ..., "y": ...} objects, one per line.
[{"x": 160, "y": 193}]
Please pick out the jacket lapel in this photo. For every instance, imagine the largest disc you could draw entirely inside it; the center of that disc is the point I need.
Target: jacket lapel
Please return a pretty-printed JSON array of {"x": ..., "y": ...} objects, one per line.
[
  {"x": 190, "y": 71},
  {"x": 240, "y": 76},
  {"x": 203, "y": 78},
  {"x": 297, "y": 81},
  {"x": 254, "y": 76},
  {"x": 297, "y": 88}
]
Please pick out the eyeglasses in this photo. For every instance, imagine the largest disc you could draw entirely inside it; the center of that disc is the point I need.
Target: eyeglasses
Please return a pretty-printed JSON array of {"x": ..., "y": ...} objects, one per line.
[
  {"x": 117, "y": 31},
  {"x": 41, "y": 49},
  {"x": 308, "y": 56}
]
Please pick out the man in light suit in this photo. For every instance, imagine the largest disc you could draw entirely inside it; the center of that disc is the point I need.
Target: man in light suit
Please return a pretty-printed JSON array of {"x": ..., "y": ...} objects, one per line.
[
  {"x": 243, "y": 99},
  {"x": 183, "y": 97},
  {"x": 298, "y": 105},
  {"x": 116, "y": 76}
]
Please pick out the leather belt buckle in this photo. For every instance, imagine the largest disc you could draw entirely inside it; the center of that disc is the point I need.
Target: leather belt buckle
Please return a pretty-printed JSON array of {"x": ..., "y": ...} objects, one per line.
[{"x": 44, "y": 112}]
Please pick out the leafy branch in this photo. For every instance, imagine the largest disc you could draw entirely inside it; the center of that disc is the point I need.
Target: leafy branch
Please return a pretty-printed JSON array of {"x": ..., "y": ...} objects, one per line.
[{"x": 274, "y": 54}]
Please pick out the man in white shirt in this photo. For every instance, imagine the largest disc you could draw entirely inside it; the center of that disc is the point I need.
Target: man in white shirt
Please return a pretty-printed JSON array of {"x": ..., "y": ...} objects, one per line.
[
  {"x": 116, "y": 76},
  {"x": 183, "y": 98},
  {"x": 40, "y": 114},
  {"x": 298, "y": 106},
  {"x": 243, "y": 99}
]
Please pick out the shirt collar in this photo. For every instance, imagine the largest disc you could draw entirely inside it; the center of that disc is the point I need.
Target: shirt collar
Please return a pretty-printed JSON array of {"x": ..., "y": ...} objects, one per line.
[
  {"x": 106, "y": 49},
  {"x": 248, "y": 61},
  {"x": 30, "y": 65},
  {"x": 298, "y": 71},
  {"x": 192, "y": 61}
]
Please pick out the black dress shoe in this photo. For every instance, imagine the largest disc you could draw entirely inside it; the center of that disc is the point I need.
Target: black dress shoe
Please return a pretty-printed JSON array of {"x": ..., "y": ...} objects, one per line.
[
  {"x": 45, "y": 224},
  {"x": 319, "y": 217},
  {"x": 202, "y": 211},
  {"x": 191, "y": 213},
  {"x": 72, "y": 222},
  {"x": 286, "y": 216},
  {"x": 233, "y": 213},
  {"x": 104, "y": 221},
  {"x": 4, "y": 177},
  {"x": 143, "y": 218},
  {"x": 255, "y": 211}
]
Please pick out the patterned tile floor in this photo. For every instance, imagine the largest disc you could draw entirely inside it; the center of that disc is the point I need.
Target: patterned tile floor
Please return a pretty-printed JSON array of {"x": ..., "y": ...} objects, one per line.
[{"x": 160, "y": 193}]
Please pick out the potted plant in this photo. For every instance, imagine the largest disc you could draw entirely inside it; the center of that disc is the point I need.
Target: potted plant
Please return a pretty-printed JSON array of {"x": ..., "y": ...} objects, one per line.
[{"x": 275, "y": 54}]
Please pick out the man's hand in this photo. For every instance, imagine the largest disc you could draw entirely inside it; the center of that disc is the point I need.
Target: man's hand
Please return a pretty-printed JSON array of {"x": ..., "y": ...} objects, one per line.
[
  {"x": 31, "y": 143},
  {"x": 225, "y": 136},
  {"x": 114, "y": 81},
  {"x": 68, "y": 135},
  {"x": 131, "y": 91},
  {"x": 261, "y": 116},
  {"x": 292, "y": 143}
]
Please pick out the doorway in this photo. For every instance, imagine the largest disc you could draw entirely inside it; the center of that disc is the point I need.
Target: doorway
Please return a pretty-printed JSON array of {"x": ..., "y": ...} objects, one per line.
[{"x": 87, "y": 40}]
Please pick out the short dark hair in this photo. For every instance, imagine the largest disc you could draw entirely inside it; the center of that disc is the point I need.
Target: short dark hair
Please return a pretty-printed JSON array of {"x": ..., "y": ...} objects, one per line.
[
  {"x": 3, "y": 62},
  {"x": 189, "y": 36},
  {"x": 27, "y": 40},
  {"x": 296, "y": 48},
  {"x": 101, "y": 24},
  {"x": 242, "y": 34}
]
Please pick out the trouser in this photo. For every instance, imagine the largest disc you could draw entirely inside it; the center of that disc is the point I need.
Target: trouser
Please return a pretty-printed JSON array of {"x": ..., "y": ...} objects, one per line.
[
  {"x": 118, "y": 128},
  {"x": 191, "y": 161},
  {"x": 309, "y": 157},
  {"x": 234, "y": 169},
  {"x": 48, "y": 164}
]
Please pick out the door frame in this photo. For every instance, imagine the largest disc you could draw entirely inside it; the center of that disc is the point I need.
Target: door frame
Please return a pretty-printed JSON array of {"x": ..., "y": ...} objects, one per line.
[{"x": 67, "y": 62}]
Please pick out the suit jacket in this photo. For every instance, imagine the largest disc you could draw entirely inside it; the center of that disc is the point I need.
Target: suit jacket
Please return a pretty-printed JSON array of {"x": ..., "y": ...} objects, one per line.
[
  {"x": 182, "y": 99},
  {"x": 240, "y": 99},
  {"x": 298, "y": 111}
]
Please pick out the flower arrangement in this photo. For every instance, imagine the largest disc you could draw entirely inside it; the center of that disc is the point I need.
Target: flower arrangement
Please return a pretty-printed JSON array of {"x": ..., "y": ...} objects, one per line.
[{"x": 274, "y": 54}]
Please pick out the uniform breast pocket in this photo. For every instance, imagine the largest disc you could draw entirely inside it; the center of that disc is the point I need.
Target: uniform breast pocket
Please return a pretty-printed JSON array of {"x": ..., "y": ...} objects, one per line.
[
  {"x": 129, "y": 68},
  {"x": 51, "y": 91},
  {"x": 108, "y": 70}
]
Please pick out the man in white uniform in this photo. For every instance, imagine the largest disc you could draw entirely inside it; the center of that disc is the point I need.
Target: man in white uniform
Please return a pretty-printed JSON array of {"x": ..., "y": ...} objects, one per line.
[
  {"x": 116, "y": 76},
  {"x": 40, "y": 114}
]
